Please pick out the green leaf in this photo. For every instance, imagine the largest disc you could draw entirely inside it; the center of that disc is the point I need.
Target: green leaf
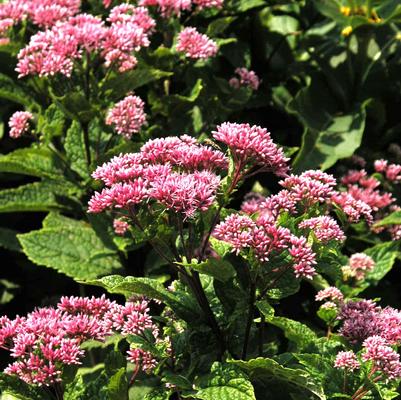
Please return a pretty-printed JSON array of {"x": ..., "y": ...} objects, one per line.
[
  {"x": 338, "y": 139},
  {"x": 11, "y": 90},
  {"x": 219, "y": 25},
  {"x": 37, "y": 196},
  {"x": 8, "y": 239},
  {"x": 225, "y": 382},
  {"x": 216, "y": 268},
  {"x": 119, "y": 85},
  {"x": 245, "y": 5},
  {"x": 151, "y": 288},
  {"x": 392, "y": 219},
  {"x": 39, "y": 162},
  {"x": 51, "y": 123},
  {"x": 266, "y": 309},
  {"x": 157, "y": 394},
  {"x": 295, "y": 331},
  {"x": 265, "y": 368},
  {"x": 72, "y": 248},
  {"x": 17, "y": 388},
  {"x": 75, "y": 149}
]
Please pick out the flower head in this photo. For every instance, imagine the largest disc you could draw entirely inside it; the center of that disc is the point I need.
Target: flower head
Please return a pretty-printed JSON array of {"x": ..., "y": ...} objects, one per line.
[
  {"x": 196, "y": 45},
  {"x": 19, "y": 123},
  {"x": 346, "y": 360}
]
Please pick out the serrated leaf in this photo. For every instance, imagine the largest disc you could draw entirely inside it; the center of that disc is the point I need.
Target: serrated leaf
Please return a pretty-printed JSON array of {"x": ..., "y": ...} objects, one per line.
[
  {"x": 392, "y": 219},
  {"x": 10, "y": 90},
  {"x": 8, "y": 239},
  {"x": 73, "y": 249},
  {"x": 21, "y": 390},
  {"x": 225, "y": 382},
  {"x": 295, "y": 331},
  {"x": 216, "y": 268},
  {"x": 157, "y": 394},
  {"x": 120, "y": 84},
  {"x": 75, "y": 149},
  {"x": 37, "y": 196},
  {"x": 265, "y": 368},
  {"x": 51, "y": 123},
  {"x": 266, "y": 309},
  {"x": 39, "y": 162},
  {"x": 151, "y": 288}
]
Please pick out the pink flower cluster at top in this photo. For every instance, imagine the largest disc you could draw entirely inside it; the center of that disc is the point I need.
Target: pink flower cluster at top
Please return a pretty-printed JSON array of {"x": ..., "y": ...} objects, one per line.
[
  {"x": 392, "y": 172},
  {"x": 47, "y": 339},
  {"x": 170, "y": 7},
  {"x": 127, "y": 116},
  {"x": 44, "y": 13},
  {"x": 175, "y": 171},
  {"x": 303, "y": 191},
  {"x": 180, "y": 173},
  {"x": 252, "y": 145},
  {"x": 245, "y": 78},
  {"x": 19, "y": 123},
  {"x": 195, "y": 45},
  {"x": 265, "y": 238},
  {"x": 56, "y": 50}
]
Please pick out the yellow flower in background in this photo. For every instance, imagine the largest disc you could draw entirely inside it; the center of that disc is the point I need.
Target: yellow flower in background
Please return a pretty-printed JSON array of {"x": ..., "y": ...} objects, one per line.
[
  {"x": 345, "y": 11},
  {"x": 346, "y": 31}
]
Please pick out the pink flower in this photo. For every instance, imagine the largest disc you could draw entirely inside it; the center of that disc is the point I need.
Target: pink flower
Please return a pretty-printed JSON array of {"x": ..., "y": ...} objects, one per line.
[
  {"x": 236, "y": 230},
  {"x": 385, "y": 359},
  {"x": 346, "y": 360},
  {"x": 195, "y": 45},
  {"x": 143, "y": 358},
  {"x": 354, "y": 209},
  {"x": 325, "y": 228},
  {"x": 168, "y": 7},
  {"x": 208, "y": 3},
  {"x": 331, "y": 293},
  {"x": 186, "y": 193},
  {"x": 19, "y": 123},
  {"x": 393, "y": 172},
  {"x": 246, "y": 78},
  {"x": 360, "y": 264},
  {"x": 120, "y": 226},
  {"x": 252, "y": 145},
  {"x": 128, "y": 116},
  {"x": 380, "y": 165},
  {"x": 303, "y": 258}
]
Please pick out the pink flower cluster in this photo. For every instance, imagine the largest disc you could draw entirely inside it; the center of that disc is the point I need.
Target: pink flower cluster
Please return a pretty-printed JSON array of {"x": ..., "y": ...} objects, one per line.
[
  {"x": 360, "y": 264},
  {"x": 120, "y": 226},
  {"x": 56, "y": 49},
  {"x": 252, "y": 146},
  {"x": 195, "y": 45},
  {"x": 176, "y": 172},
  {"x": 325, "y": 228},
  {"x": 332, "y": 293},
  {"x": 347, "y": 360},
  {"x": 391, "y": 171},
  {"x": 47, "y": 339},
  {"x": 384, "y": 358},
  {"x": 127, "y": 116},
  {"x": 19, "y": 123},
  {"x": 265, "y": 238},
  {"x": 170, "y": 7},
  {"x": 364, "y": 318},
  {"x": 44, "y": 13},
  {"x": 245, "y": 78}
]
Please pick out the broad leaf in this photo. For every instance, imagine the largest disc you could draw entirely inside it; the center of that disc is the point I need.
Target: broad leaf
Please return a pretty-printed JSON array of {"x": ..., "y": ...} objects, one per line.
[
  {"x": 38, "y": 196},
  {"x": 216, "y": 268},
  {"x": 73, "y": 249},
  {"x": 39, "y": 162},
  {"x": 20, "y": 390},
  {"x": 294, "y": 331},
  {"x": 75, "y": 149},
  {"x": 11, "y": 90},
  {"x": 392, "y": 219},
  {"x": 225, "y": 382},
  {"x": 265, "y": 368}
]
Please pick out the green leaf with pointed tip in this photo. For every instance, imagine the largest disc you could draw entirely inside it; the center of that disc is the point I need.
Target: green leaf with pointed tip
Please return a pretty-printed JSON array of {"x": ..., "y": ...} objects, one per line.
[
  {"x": 75, "y": 149},
  {"x": 295, "y": 331},
  {"x": 72, "y": 248},
  {"x": 266, "y": 309},
  {"x": 216, "y": 268},
  {"x": 37, "y": 196},
  {"x": 40, "y": 162},
  {"x": 392, "y": 219},
  {"x": 225, "y": 382},
  {"x": 120, "y": 84},
  {"x": 267, "y": 368},
  {"x": 11, "y": 90}
]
